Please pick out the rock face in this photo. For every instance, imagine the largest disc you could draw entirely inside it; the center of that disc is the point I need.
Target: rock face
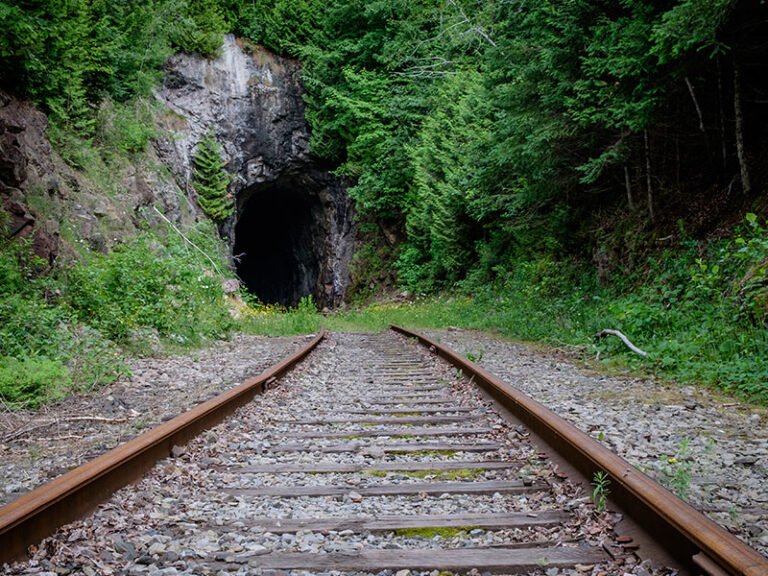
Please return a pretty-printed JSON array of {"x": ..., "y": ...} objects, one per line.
[
  {"x": 25, "y": 159},
  {"x": 292, "y": 232},
  {"x": 40, "y": 193}
]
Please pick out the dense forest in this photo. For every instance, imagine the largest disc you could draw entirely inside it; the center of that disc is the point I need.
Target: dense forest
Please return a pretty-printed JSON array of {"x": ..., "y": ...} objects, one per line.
[{"x": 571, "y": 165}]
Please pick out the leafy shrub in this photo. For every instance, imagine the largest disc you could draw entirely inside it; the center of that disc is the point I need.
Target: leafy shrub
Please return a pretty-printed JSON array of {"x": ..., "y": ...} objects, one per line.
[
  {"x": 31, "y": 381},
  {"x": 149, "y": 282},
  {"x": 43, "y": 350},
  {"x": 60, "y": 332},
  {"x": 126, "y": 128}
]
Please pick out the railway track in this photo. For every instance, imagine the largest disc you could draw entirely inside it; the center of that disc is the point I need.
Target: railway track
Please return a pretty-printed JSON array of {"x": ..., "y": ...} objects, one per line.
[{"x": 373, "y": 456}]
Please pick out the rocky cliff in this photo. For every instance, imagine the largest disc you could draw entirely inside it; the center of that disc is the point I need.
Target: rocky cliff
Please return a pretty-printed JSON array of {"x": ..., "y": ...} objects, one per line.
[
  {"x": 292, "y": 230},
  {"x": 55, "y": 206}
]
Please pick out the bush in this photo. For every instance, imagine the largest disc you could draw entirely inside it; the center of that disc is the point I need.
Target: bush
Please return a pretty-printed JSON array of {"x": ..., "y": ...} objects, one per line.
[
  {"x": 59, "y": 333},
  {"x": 149, "y": 282},
  {"x": 31, "y": 381},
  {"x": 126, "y": 128}
]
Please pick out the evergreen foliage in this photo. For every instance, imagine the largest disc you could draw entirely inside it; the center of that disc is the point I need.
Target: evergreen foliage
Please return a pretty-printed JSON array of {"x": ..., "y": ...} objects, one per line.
[
  {"x": 211, "y": 180},
  {"x": 284, "y": 26},
  {"x": 495, "y": 132},
  {"x": 200, "y": 28},
  {"x": 67, "y": 56}
]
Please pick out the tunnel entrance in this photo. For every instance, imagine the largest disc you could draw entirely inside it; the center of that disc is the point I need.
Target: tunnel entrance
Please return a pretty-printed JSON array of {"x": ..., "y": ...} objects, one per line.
[{"x": 276, "y": 247}]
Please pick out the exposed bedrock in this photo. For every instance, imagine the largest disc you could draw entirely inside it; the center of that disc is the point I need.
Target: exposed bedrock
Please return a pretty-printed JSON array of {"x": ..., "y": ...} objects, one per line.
[{"x": 292, "y": 232}]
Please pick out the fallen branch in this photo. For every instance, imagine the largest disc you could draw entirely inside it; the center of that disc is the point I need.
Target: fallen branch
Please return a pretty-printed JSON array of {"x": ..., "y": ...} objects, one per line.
[
  {"x": 92, "y": 419},
  {"x": 67, "y": 437},
  {"x": 37, "y": 425},
  {"x": 608, "y": 332}
]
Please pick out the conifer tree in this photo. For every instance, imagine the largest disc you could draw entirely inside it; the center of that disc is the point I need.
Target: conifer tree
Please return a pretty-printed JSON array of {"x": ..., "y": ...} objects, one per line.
[{"x": 211, "y": 180}]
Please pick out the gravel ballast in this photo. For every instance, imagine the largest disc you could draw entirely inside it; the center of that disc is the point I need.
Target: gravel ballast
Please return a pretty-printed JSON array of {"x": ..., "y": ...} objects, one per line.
[
  {"x": 202, "y": 512},
  {"x": 36, "y": 447},
  {"x": 186, "y": 516},
  {"x": 710, "y": 449}
]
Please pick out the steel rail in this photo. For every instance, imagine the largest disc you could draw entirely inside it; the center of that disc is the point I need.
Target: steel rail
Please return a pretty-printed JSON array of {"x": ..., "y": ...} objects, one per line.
[
  {"x": 37, "y": 514},
  {"x": 696, "y": 542}
]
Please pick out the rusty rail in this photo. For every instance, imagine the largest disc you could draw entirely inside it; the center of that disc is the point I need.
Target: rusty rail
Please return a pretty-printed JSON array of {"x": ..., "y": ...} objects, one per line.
[
  {"x": 37, "y": 514},
  {"x": 696, "y": 542}
]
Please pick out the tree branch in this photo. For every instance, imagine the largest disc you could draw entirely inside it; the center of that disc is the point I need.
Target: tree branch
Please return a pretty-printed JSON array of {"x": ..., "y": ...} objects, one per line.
[{"x": 696, "y": 104}]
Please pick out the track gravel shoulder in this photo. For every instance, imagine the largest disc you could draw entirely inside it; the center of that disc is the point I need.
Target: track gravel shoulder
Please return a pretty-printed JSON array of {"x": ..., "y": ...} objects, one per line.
[
  {"x": 38, "y": 446},
  {"x": 711, "y": 448}
]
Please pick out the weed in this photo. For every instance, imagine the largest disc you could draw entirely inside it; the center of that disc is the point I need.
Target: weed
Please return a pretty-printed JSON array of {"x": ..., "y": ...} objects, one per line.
[
  {"x": 376, "y": 473},
  {"x": 476, "y": 357},
  {"x": 35, "y": 453},
  {"x": 601, "y": 482},
  {"x": 676, "y": 470},
  {"x": 140, "y": 423}
]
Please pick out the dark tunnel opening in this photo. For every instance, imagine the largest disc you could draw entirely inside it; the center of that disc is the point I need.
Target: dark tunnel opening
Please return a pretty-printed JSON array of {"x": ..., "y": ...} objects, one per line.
[{"x": 274, "y": 248}]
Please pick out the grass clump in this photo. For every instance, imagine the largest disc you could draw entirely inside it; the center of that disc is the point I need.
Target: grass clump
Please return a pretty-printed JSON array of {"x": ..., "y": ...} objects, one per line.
[
  {"x": 31, "y": 381},
  {"x": 271, "y": 320}
]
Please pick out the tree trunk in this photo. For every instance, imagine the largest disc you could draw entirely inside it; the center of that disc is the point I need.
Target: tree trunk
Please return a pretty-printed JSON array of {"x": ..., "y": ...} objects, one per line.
[
  {"x": 746, "y": 185},
  {"x": 720, "y": 100},
  {"x": 696, "y": 104},
  {"x": 628, "y": 184},
  {"x": 648, "y": 182}
]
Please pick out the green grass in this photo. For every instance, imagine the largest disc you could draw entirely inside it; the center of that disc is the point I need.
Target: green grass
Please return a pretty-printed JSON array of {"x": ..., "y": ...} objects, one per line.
[{"x": 269, "y": 320}]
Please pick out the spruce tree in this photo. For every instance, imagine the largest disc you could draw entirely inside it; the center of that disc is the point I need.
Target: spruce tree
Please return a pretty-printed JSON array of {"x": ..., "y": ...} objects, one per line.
[{"x": 211, "y": 180}]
